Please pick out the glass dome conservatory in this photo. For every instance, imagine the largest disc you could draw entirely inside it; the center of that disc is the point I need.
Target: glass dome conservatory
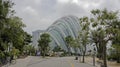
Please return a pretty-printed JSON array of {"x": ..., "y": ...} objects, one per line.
[{"x": 63, "y": 27}]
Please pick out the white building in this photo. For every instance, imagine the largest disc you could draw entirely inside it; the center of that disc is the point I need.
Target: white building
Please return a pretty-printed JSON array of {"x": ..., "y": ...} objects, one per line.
[{"x": 36, "y": 37}]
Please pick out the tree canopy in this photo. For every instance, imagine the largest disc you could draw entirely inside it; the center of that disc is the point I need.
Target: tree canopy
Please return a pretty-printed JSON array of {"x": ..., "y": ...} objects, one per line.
[
  {"x": 43, "y": 43},
  {"x": 11, "y": 29}
]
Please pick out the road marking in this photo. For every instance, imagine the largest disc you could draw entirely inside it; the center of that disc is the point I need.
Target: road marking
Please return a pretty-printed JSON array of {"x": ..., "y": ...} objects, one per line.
[{"x": 72, "y": 65}]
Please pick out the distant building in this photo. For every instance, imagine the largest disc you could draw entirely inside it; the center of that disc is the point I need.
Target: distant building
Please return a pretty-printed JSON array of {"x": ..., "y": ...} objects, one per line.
[{"x": 36, "y": 37}]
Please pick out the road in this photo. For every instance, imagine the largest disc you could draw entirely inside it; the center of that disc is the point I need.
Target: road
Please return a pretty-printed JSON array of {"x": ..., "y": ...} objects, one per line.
[{"x": 50, "y": 62}]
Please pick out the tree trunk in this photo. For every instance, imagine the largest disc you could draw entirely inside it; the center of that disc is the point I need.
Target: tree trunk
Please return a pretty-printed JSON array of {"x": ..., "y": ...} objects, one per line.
[
  {"x": 84, "y": 51},
  {"x": 44, "y": 54},
  {"x": 118, "y": 60},
  {"x": 100, "y": 52},
  {"x": 94, "y": 59},
  {"x": 99, "y": 55},
  {"x": 104, "y": 56},
  {"x": 80, "y": 55},
  {"x": 83, "y": 56},
  {"x": 118, "y": 57}
]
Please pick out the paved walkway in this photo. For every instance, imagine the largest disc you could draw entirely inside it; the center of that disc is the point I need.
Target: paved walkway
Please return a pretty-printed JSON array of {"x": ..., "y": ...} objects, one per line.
[{"x": 49, "y": 62}]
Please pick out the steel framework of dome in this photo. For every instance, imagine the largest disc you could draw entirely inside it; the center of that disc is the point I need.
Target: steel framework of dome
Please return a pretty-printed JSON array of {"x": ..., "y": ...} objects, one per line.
[{"x": 63, "y": 27}]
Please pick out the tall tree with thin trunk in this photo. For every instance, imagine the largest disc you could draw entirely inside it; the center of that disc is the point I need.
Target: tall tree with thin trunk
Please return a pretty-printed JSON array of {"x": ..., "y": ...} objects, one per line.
[{"x": 84, "y": 35}]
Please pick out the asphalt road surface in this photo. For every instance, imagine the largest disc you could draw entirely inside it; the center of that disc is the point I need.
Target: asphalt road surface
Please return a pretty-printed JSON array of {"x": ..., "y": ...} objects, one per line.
[
  {"x": 32, "y": 61},
  {"x": 57, "y": 62}
]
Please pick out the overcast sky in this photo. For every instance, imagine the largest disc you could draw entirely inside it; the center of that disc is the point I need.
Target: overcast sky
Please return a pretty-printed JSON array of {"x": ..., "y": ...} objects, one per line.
[{"x": 40, "y": 14}]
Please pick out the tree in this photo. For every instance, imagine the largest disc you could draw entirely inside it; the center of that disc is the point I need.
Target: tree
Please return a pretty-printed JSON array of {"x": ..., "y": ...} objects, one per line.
[
  {"x": 69, "y": 41},
  {"x": 43, "y": 43},
  {"x": 28, "y": 50},
  {"x": 16, "y": 34},
  {"x": 14, "y": 53},
  {"x": 26, "y": 43},
  {"x": 11, "y": 28},
  {"x": 5, "y": 13},
  {"x": 84, "y": 34},
  {"x": 57, "y": 49},
  {"x": 116, "y": 39},
  {"x": 5, "y": 10},
  {"x": 117, "y": 53},
  {"x": 78, "y": 41},
  {"x": 102, "y": 30},
  {"x": 75, "y": 45},
  {"x": 27, "y": 38},
  {"x": 72, "y": 43}
]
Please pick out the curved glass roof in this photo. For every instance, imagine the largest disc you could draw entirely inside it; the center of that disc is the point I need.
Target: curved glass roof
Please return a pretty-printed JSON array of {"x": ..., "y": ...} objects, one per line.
[{"x": 63, "y": 27}]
